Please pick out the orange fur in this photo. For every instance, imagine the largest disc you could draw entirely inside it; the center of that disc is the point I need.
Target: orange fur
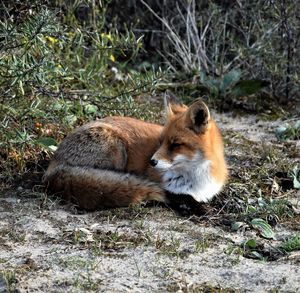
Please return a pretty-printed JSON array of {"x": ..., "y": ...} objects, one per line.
[
  {"x": 210, "y": 143},
  {"x": 106, "y": 163}
]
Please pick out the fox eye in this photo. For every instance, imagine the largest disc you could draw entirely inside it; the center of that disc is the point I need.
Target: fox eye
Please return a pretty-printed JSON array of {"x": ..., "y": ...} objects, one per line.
[{"x": 175, "y": 145}]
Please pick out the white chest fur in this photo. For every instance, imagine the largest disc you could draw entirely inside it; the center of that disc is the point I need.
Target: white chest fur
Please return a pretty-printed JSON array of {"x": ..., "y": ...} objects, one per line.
[{"x": 191, "y": 177}]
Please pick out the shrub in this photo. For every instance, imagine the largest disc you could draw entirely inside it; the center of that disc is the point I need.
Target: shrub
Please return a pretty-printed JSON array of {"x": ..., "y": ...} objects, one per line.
[
  {"x": 58, "y": 72},
  {"x": 213, "y": 38}
]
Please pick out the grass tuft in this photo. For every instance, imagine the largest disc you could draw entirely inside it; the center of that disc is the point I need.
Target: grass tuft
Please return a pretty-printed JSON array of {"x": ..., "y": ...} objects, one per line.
[{"x": 291, "y": 244}]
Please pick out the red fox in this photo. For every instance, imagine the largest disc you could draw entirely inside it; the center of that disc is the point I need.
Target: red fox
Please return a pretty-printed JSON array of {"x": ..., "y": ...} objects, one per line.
[{"x": 117, "y": 161}]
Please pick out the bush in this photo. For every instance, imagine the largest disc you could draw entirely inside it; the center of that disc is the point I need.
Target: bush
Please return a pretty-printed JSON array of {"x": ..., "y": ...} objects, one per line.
[
  {"x": 58, "y": 72},
  {"x": 213, "y": 38}
]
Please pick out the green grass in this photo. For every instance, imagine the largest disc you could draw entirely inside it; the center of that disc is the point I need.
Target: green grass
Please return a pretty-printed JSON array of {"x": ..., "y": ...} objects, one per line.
[
  {"x": 76, "y": 262},
  {"x": 10, "y": 279},
  {"x": 288, "y": 131},
  {"x": 201, "y": 245},
  {"x": 291, "y": 244}
]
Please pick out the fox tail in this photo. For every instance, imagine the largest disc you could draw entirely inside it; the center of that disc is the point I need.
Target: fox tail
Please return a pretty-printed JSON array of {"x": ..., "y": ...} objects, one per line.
[{"x": 93, "y": 189}]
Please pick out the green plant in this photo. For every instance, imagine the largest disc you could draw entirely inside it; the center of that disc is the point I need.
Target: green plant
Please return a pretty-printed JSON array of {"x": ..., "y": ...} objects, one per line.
[
  {"x": 203, "y": 244},
  {"x": 170, "y": 246},
  {"x": 262, "y": 214},
  {"x": 251, "y": 249},
  {"x": 263, "y": 227},
  {"x": 291, "y": 244},
  {"x": 9, "y": 276},
  {"x": 288, "y": 131},
  {"x": 295, "y": 175},
  {"x": 268, "y": 209},
  {"x": 214, "y": 37},
  {"x": 56, "y": 73},
  {"x": 231, "y": 85}
]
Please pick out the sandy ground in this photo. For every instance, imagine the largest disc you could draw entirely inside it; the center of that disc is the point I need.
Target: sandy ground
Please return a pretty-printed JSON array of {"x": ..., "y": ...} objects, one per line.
[{"x": 48, "y": 247}]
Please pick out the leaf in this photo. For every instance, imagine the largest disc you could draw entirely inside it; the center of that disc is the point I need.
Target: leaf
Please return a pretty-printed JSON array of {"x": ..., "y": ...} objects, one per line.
[
  {"x": 257, "y": 255},
  {"x": 57, "y": 105},
  {"x": 112, "y": 58},
  {"x": 280, "y": 132},
  {"x": 47, "y": 142},
  {"x": 297, "y": 124},
  {"x": 288, "y": 132},
  {"x": 250, "y": 243},
  {"x": 21, "y": 87},
  {"x": 237, "y": 225},
  {"x": 296, "y": 183},
  {"x": 261, "y": 202},
  {"x": 8, "y": 108},
  {"x": 71, "y": 119},
  {"x": 230, "y": 78},
  {"x": 248, "y": 87},
  {"x": 212, "y": 85},
  {"x": 52, "y": 148},
  {"x": 295, "y": 174},
  {"x": 90, "y": 109},
  {"x": 202, "y": 76},
  {"x": 263, "y": 227},
  {"x": 251, "y": 209}
]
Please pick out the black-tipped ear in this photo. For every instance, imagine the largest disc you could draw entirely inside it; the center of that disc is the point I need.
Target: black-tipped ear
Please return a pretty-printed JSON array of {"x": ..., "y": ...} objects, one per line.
[
  {"x": 173, "y": 105},
  {"x": 172, "y": 99},
  {"x": 198, "y": 116}
]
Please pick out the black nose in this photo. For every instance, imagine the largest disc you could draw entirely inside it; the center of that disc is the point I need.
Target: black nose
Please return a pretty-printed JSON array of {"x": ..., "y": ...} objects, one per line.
[{"x": 153, "y": 162}]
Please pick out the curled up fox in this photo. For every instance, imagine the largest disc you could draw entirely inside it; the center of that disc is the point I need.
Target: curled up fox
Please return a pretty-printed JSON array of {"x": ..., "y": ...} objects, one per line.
[{"x": 118, "y": 161}]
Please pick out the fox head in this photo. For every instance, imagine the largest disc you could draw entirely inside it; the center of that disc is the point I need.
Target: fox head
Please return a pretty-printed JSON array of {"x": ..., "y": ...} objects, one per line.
[{"x": 190, "y": 157}]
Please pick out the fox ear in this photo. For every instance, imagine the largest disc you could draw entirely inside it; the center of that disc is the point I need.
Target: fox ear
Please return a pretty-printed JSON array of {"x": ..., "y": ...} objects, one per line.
[
  {"x": 172, "y": 105},
  {"x": 198, "y": 116}
]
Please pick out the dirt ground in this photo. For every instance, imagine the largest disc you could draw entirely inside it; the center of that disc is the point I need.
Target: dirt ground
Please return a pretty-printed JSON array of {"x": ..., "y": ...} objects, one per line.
[{"x": 49, "y": 247}]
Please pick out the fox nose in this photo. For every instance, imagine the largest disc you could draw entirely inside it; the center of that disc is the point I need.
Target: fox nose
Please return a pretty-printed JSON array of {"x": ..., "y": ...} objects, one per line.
[{"x": 153, "y": 162}]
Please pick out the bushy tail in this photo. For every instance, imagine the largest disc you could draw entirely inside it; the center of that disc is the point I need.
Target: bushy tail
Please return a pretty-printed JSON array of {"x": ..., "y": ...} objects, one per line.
[{"x": 93, "y": 189}]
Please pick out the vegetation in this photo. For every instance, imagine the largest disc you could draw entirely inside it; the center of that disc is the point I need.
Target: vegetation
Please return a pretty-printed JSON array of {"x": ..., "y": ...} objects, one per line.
[
  {"x": 57, "y": 73},
  {"x": 291, "y": 244},
  {"x": 63, "y": 63},
  {"x": 213, "y": 38},
  {"x": 288, "y": 131}
]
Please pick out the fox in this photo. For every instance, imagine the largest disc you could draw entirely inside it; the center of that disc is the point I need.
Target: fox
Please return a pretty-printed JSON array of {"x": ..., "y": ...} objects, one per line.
[{"x": 118, "y": 161}]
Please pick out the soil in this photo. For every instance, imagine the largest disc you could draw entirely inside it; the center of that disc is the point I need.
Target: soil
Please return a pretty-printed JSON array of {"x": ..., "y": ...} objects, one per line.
[{"x": 46, "y": 246}]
